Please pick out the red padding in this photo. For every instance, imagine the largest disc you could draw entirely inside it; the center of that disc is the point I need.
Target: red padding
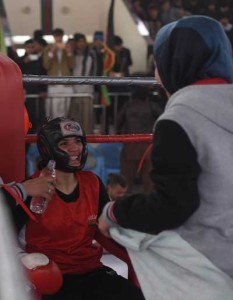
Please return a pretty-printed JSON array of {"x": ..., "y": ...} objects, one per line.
[{"x": 12, "y": 150}]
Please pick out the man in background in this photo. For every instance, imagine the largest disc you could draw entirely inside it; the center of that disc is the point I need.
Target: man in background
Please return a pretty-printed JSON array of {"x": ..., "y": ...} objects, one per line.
[
  {"x": 58, "y": 60},
  {"x": 116, "y": 186}
]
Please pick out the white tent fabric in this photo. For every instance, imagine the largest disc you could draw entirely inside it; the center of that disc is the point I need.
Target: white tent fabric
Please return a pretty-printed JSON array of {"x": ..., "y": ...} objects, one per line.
[{"x": 13, "y": 284}]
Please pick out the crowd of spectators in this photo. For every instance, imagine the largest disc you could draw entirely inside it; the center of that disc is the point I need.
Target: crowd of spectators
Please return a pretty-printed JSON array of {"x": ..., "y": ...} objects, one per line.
[
  {"x": 77, "y": 57},
  {"x": 168, "y": 10},
  {"x": 157, "y": 13}
]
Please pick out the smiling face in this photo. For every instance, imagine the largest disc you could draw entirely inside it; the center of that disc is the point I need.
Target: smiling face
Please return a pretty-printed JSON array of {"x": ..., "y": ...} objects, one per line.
[{"x": 73, "y": 146}]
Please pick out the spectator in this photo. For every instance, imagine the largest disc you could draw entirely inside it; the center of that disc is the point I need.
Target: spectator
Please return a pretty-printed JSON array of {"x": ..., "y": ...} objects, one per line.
[
  {"x": 31, "y": 64},
  {"x": 116, "y": 186},
  {"x": 58, "y": 57},
  {"x": 211, "y": 9},
  {"x": 227, "y": 26},
  {"x": 182, "y": 230},
  {"x": 40, "y": 45},
  {"x": 81, "y": 107},
  {"x": 153, "y": 22},
  {"x": 137, "y": 116},
  {"x": 58, "y": 60},
  {"x": 177, "y": 3},
  {"x": 38, "y": 34},
  {"x": 98, "y": 52},
  {"x": 25, "y": 60},
  {"x": 169, "y": 13},
  {"x": 12, "y": 53},
  {"x": 193, "y": 6},
  {"x": 71, "y": 45},
  {"x": 64, "y": 233},
  {"x": 226, "y": 8},
  {"x": 138, "y": 10},
  {"x": 123, "y": 59}
]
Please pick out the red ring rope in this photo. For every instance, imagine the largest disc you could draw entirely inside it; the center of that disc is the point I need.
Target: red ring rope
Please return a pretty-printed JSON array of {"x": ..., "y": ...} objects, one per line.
[{"x": 117, "y": 138}]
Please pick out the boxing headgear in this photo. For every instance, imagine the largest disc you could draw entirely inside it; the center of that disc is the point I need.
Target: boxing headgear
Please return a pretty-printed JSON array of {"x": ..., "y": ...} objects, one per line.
[{"x": 48, "y": 136}]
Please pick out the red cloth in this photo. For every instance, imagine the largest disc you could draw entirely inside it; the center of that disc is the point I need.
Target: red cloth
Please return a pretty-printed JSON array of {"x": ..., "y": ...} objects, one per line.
[
  {"x": 12, "y": 154},
  {"x": 65, "y": 231}
]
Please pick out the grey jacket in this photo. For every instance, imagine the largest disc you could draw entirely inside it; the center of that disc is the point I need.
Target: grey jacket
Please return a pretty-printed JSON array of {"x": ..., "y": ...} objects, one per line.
[{"x": 206, "y": 114}]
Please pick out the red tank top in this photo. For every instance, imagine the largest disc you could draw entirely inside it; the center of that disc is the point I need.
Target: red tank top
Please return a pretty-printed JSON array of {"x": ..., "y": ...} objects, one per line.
[{"x": 65, "y": 231}]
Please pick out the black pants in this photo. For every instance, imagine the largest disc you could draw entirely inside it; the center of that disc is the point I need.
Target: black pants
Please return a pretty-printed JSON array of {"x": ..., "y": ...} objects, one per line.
[{"x": 100, "y": 284}]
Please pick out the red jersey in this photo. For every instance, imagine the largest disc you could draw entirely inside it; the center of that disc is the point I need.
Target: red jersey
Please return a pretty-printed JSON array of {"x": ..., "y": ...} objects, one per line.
[{"x": 65, "y": 231}]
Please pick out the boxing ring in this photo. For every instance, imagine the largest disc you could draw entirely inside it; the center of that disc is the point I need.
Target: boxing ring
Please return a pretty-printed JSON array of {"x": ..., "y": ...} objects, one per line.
[
  {"x": 13, "y": 139},
  {"x": 113, "y": 138},
  {"x": 71, "y": 80}
]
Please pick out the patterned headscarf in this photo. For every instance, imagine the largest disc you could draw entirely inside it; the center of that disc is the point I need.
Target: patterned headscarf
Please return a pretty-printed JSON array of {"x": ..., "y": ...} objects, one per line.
[{"x": 191, "y": 49}]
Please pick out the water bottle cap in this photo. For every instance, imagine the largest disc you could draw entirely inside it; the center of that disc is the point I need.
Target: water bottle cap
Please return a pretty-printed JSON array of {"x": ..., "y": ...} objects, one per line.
[{"x": 52, "y": 164}]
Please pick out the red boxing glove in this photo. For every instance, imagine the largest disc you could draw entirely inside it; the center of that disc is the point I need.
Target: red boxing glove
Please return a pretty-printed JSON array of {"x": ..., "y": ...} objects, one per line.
[
  {"x": 43, "y": 273},
  {"x": 46, "y": 279}
]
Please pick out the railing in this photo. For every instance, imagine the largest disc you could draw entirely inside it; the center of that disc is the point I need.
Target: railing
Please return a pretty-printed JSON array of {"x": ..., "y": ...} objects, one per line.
[
  {"x": 96, "y": 127},
  {"x": 116, "y": 97},
  {"x": 67, "y": 97},
  {"x": 92, "y": 80}
]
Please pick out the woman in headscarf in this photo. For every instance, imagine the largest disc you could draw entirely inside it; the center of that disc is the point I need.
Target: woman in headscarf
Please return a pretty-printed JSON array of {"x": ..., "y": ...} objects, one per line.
[{"x": 183, "y": 230}]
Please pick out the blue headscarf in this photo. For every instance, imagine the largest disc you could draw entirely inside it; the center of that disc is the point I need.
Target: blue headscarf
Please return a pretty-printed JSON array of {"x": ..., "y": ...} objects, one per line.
[{"x": 191, "y": 49}]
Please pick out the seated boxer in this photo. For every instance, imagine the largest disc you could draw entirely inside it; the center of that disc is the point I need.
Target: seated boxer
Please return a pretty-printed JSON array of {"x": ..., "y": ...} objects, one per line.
[{"x": 65, "y": 231}]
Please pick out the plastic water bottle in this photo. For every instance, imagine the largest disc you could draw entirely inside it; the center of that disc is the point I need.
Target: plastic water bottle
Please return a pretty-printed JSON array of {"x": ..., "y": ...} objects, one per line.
[{"x": 39, "y": 204}]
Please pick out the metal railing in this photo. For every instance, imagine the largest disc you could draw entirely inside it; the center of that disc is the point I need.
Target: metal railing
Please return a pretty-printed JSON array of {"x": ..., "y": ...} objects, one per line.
[
  {"x": 93, "y": 80},
  {"x": 99, "y": 128},
  {"x": 67, "y": 97},
  {"x": 116, "y": 97}
]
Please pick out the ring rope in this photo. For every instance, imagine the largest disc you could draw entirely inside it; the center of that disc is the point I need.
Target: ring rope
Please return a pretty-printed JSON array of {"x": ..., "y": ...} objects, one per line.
[
  {"x": 93, "y": 80},
  {"x": 117, "y": 138}
]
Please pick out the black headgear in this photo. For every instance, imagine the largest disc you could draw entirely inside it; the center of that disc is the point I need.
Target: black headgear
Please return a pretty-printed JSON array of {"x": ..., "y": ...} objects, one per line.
[{"x": 48, "y": 136}]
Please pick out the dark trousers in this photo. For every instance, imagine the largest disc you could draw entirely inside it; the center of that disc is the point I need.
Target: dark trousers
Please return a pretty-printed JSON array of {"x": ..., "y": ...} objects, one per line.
[{"x": 100, "y": 284}]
